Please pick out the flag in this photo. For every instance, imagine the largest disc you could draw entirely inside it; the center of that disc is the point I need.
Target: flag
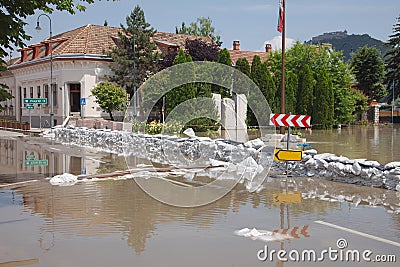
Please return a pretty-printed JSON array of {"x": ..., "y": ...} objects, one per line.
[{"x": 281, "y": 16}]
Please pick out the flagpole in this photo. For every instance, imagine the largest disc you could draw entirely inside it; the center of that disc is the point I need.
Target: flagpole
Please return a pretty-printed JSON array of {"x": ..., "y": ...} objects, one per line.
[{"x": 283, "y": 110}]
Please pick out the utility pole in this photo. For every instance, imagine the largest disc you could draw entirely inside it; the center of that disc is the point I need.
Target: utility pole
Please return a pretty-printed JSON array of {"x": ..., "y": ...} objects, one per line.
[{"x": 283, "y": 109}]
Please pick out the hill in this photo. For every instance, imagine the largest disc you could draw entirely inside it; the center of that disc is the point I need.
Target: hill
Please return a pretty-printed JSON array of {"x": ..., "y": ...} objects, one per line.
[{"x": 349, "y": 43}]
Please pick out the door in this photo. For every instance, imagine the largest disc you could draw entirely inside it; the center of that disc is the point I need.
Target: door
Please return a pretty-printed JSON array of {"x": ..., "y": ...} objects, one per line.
[{"x": 75, "y": 96}]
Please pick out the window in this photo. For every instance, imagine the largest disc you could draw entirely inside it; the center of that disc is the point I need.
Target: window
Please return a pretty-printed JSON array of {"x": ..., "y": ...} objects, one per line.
[
  {"x": 46, "y": 92},
  {"x": 39, "y": 95},
  {"x": 31, "y": 92},
  {"x": 24, "y": 92},
  {"x": 54, "y": 95}
]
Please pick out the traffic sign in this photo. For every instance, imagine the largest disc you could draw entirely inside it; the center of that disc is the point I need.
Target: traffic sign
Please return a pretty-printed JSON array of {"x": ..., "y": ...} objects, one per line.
[
  {"x": 287, "y": 155},
  {"x": 36, "y": 162},
  {"x": 30, "y": 107},
  {"x": 30, "y": 156},
  {"x": 290, "y": 120},
  {"x": 35, "y": 100},
  {"x": 283, "y": 198},
  {"x": 83, "y": 101}
]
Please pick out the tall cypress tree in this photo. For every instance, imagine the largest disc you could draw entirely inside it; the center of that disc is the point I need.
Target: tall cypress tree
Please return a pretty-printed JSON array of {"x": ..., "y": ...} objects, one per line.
[
  {"x": 291, "y": 92},
  {"x": 323, "y": 102},
  {"x": 262, "y": 78},
  {"x": 181, "y": 93},
  {"x": 305, "y": 93},
  {"x": 137, "y": 34},
  {"x": 242, "y": 64},
  {"x": 224, "y": 57}
]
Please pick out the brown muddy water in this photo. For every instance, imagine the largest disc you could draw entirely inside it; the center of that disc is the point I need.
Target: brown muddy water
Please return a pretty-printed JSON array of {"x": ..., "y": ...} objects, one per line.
[{"x": 114, "y": 223}]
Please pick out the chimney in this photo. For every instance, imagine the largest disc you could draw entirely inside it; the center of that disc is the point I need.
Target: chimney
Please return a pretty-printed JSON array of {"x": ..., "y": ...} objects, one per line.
[
  {"x": 35, "y": 48},
  {"x": 236, "y": 45},
  {"x": 47, "y": 46},
  {"x": 24, "y": 53},
  {"x": 268, "y": 48}
]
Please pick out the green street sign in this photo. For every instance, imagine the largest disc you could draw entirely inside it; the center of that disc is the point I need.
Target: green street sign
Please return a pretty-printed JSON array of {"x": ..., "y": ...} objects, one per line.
[
  {"x": 35, "y": 100},
  {"x": 36, "y": 162},
  {"x": 30, "y": 156},
  {"x": 30, "y": 107}
]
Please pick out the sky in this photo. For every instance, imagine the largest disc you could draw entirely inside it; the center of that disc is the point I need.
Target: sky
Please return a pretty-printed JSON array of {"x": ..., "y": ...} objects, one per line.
[{"x": 252, "y": 22}]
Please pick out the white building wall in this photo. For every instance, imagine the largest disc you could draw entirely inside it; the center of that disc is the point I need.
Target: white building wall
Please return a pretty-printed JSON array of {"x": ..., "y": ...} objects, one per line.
[{"x": 88, "y": 73}]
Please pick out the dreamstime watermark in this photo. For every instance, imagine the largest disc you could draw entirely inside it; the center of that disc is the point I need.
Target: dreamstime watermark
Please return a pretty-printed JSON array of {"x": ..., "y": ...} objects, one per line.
[
  {"x": 338, "y": 254},
  {"x": 189, "y": 155}
]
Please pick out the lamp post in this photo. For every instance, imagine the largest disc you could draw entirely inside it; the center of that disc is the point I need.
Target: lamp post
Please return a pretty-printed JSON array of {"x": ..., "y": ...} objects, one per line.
[
  {"x": 134, "y": 76},
  {"x": 38, "y": 28}
]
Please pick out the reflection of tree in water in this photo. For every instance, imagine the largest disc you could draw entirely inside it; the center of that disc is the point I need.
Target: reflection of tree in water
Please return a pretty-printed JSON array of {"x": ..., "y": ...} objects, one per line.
[
  {"x": 112, "y": 163},
  {"x": 109, "y": 207}
]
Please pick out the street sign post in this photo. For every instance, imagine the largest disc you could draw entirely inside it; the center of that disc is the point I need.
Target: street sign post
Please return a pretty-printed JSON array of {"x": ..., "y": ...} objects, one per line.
[
  {"x": 83, "y": 103},
  {"x": 287, "y": 155},
  {"x": 35, "y": 100},
  {"x": 36, "y": 162},
  {"x": 290, "y": 120}
]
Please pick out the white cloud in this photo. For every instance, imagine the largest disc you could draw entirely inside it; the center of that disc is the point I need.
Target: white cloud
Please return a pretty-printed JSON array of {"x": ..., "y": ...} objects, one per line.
[{"x": 276, "y": 43}]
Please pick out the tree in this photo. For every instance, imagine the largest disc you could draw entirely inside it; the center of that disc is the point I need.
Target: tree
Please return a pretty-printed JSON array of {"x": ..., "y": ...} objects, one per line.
[
  {"x": 392, "y": 60},
  {"x": 142, "y": 62},
  {"x": 305, "y": 92},
  {"x": 202, "y": 51},
  {"x": 369, "y": 69},
  {"x": 202, "y": 27},
  {"x": 292, "y": 84},
  {"x": 323, "y": 102},
  {"x": 262, "y": 78},
  {"x": 242, "y": 64},
  {"x": 110, "y": 97},
  {"x": 241, "y": 84},
  {"x": 224, "y": 57},
  {"x": 181, "y": 93}
]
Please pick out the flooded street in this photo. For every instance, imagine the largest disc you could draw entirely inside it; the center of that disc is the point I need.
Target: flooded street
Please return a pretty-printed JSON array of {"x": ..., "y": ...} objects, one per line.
[
  {"x": 380, "y": 143},
  {"x": 113, "y": 222}
]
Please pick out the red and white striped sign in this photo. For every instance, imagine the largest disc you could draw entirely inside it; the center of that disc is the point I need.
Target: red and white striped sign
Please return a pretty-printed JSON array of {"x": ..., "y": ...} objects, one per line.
[{"x": 290, "y": 120}]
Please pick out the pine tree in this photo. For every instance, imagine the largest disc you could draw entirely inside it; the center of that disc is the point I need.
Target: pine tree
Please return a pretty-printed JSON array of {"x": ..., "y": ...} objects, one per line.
[
  {"x": 369, "y": 69},
  {"x": 129, "y": 63},
  {"x": 305, "y": 93},
  {"x": 392, "y": 60}
]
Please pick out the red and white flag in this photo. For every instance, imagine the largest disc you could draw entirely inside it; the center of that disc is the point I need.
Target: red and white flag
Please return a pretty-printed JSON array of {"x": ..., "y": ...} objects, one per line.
[{"x": 281, "y": 16}]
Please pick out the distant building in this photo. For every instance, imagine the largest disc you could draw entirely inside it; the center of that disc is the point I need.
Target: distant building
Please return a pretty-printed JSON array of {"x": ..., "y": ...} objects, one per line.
[{"x": 329, "y": 36}]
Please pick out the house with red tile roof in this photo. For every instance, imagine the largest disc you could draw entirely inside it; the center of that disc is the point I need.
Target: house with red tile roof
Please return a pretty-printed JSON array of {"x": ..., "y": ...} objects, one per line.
[
  {"x": 79, "y": 63},
  {"x": 237, "y": 53}
]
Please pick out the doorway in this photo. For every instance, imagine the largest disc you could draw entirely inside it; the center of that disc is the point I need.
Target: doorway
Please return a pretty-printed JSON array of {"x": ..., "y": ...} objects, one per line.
[{"x": 74, "y": 97}]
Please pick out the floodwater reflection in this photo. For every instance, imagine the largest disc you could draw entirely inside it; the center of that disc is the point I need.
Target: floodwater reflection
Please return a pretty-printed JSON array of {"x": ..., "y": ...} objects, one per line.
[{"x": 104, "y": 217}]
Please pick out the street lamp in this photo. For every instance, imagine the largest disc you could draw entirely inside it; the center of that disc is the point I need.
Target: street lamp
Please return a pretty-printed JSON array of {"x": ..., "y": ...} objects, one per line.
[
  {"x": 38, "y": 28},
  {"x": 134, "y": 74}
]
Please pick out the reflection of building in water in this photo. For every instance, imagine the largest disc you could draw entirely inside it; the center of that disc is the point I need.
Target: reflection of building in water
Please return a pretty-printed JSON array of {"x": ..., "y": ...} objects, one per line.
[
  {"x": 108, "y": 207},
  {"x": 55, "y": 159}
]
